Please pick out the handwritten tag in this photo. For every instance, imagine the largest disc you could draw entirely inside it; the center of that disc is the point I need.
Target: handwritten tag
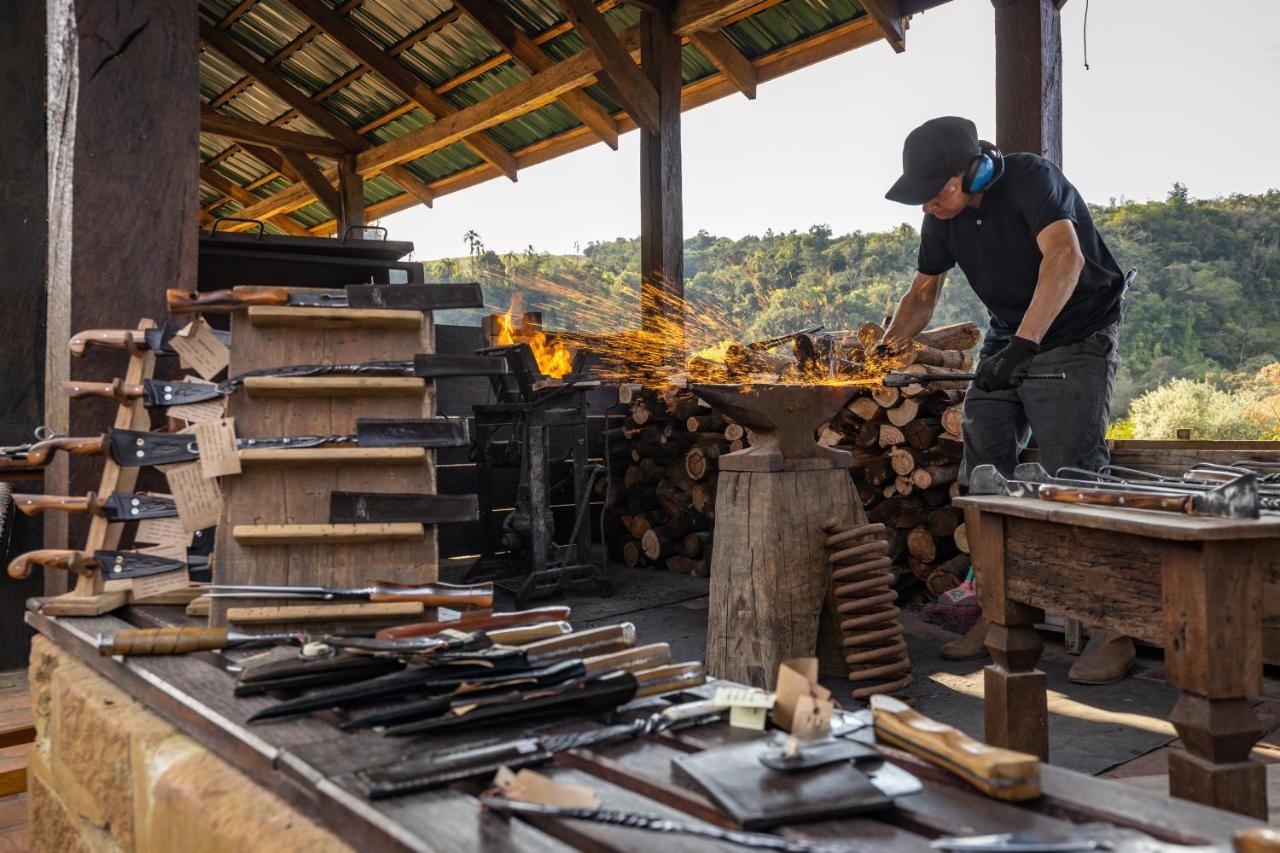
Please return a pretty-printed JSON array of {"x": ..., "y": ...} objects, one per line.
[
  {"x": 199, "y": 349},
  {"x": 163, "y": 531},
  {"x": 748, "y": 707},
  {"x": 533, "y": 787},
  {"x": 797, "y": 681},
  {"x": 169, "y": 551},
  {"x": 199, "y": 499},
  {"x": 217, "y": 443},
  {"x": 152, "y": 585}
]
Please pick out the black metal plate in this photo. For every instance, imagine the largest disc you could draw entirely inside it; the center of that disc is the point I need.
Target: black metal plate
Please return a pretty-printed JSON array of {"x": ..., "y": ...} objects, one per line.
[
  {"x": 404, "y": 432},
  {"x": 438, "y": 365}
]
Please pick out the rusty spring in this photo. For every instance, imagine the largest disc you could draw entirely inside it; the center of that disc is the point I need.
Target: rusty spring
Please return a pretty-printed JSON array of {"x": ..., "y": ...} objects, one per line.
[{"x": 874, "y": 647}]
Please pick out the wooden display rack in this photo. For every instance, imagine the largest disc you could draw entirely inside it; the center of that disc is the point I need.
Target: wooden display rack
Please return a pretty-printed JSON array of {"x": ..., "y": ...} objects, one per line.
[
  {"x": 274, "y": 525},
  {"x": 93, "y": 595}
]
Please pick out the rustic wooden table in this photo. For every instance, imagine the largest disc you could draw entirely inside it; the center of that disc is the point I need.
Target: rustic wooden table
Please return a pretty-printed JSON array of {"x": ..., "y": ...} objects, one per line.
[{"x": 1193, "y": 585}]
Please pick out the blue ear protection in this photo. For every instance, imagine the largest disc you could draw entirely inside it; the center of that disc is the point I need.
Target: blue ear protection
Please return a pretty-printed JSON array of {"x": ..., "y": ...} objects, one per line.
[{"x": 984, "y": 170}]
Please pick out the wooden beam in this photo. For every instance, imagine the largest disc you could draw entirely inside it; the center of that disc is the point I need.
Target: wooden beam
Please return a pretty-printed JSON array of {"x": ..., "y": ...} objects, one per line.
[
  {"x": 270, "y": 158},
  {"x": 351, "y": 195},
  {"x": 309, "y": 173},
  {"x": 235, "y": 14},
  {"x": 1029, "y": 78},
  {"x": 717, "y": 47},
  {"x": 661, "y": 205},
  {"x": 410, "y": 184},
  {"x": 638, "y": 94},
  {"x": 246, "y": 131},
  {"x": 399, "y": 77},
  {"x": 693, "y": 16},
  {"x": 526, "y": 53},
  {"x": 888, "y": 17},
  {"x": 244, "y": 198}
]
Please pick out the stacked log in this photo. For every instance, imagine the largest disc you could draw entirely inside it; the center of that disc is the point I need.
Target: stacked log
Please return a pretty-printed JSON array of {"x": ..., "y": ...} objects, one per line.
[{"x": 662, "y": 485}]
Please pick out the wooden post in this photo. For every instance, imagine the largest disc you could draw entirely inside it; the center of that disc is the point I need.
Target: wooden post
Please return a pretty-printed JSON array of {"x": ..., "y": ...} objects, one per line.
[
  {"x": 661, "y": 208},
  {"x": 123, "y": 137},
  {"x": 23, "y": 245},
  {"x": 1029, "y": 77},
  {"x": 351, "y": 195}
]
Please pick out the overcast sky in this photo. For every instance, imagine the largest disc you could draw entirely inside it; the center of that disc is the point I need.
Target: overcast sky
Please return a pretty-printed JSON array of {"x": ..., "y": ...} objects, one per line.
[{"x": 1177, "y": 90}]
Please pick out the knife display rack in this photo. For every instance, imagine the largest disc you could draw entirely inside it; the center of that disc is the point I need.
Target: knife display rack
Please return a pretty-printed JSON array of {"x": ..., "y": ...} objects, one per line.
[
  {"x": 92, "y": 594},
  {"x": 274, "y": 525}
]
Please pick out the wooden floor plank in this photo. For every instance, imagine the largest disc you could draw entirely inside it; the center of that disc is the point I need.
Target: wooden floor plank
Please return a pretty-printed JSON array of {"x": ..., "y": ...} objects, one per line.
[{"x": 13, "y": 770}]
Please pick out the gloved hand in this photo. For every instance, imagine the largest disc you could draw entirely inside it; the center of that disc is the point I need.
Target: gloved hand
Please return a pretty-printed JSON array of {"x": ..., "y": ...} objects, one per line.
[{"x": 1004, "y": 369}]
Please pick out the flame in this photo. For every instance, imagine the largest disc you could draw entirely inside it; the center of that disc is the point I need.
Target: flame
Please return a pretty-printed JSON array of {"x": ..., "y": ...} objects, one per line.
[{"x": 554, "y": 359}]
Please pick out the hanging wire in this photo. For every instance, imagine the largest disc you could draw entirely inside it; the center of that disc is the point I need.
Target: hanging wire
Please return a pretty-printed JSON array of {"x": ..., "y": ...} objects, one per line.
[{"x": 1084, "y": 34}]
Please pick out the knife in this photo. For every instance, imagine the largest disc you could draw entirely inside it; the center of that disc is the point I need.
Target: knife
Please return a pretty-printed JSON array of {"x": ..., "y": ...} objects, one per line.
[
  {"x": 114, "y": 565},
  {"x": 415, "y": 297},
  {"x": 117, "y": 506},
  {"x": 156, "y": 340},
  {"x": 162, "y": 392},
  {"x": 430, "y": 594}
]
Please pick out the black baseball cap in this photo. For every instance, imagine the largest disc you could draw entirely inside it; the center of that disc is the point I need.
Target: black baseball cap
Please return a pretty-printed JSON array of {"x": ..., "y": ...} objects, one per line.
[{"x": 933, "y": 153}]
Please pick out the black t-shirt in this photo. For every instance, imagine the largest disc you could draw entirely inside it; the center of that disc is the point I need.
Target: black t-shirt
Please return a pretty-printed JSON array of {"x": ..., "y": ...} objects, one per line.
[{"x": 995, "y": 246}]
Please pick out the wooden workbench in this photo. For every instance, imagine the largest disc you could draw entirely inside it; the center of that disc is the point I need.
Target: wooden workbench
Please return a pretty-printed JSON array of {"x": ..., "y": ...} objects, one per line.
[
  {"x": 1194, "y": 585},
  {"x": 305, "y": 762}
]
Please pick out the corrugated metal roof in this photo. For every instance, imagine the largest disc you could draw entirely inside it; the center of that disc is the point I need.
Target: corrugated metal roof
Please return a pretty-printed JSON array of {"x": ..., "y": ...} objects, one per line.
[{"x": 458, "y": 59}]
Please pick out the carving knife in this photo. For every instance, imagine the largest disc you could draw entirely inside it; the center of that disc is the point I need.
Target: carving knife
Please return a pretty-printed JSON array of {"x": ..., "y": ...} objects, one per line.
[
  {"x": 156, "y": 340},
  {"x": 430, "y": 594},
  {"x": 163, "y": 392},
  {"x": 114, "y": 565},
  {"x": 117, "y": 506},
  {"x": 416, "y": 297}
]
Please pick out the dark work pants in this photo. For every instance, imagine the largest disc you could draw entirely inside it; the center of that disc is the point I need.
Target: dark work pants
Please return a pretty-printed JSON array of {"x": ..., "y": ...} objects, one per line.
[{"x": 1068, "y": 418}]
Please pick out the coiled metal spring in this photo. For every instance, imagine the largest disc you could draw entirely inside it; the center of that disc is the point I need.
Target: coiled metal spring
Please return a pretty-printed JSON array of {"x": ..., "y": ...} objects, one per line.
[{"x": 873, "y": 643}]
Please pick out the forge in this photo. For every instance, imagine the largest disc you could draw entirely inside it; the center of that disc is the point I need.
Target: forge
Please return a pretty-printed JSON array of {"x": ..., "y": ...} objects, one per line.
[
  {"x": 771, "y": 582},
  {"x": 782, "y": 420}
]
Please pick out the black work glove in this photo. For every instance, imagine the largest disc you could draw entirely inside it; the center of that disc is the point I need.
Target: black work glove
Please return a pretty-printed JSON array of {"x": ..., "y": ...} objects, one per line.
[{"x": 1004, "y": 370}]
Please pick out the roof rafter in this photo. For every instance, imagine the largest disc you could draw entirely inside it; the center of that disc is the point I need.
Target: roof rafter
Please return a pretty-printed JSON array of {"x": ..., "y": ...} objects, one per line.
[
  {"x": 248, "y": 131},
  {"x": 888, "y": 17},
  {"x": 728, "y": 59},
  {"x": 244, "y": 198},
  {"x": 526, "y": 53},
  {"x": 692, "y": 16},
  {"x": 637, "y": 93},
  {"x": 309, "y": 173},
  {"x": 399, "y": 77}
]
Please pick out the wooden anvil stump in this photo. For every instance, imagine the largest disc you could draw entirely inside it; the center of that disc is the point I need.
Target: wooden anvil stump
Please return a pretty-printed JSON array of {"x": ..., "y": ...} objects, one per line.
[{"x": 770, "y": 575}]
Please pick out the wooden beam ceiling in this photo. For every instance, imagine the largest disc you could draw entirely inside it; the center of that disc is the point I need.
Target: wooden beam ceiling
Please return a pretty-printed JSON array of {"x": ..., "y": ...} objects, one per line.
[
  {"x": 888, "y": 17},
  {"x": 728, "y": 59},
  {"x": 526, "y": 53},
  {"x": 692, "y": 16},
  {"x": 315, "y": 180},
  {"x": 244, "y": 198},
  {"x": 247, "y": 131},
  {"x": 399, "y": 77},
  {"x": 638, "y": 95}
]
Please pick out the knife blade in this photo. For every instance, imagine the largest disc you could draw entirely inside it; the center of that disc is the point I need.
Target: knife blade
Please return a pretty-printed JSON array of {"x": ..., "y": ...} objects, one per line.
[
  {"x": 114, "y": 565},
  {"x": 429, "y": 297},
  {"x": 418, "y": 297},
  {"x": 360, "y": 507}
]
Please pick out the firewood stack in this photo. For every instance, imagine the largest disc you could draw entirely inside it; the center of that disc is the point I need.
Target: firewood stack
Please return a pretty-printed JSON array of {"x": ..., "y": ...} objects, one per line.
[
  {"x": 907, "y": 450},
  {"x": 662, "y": 489}
]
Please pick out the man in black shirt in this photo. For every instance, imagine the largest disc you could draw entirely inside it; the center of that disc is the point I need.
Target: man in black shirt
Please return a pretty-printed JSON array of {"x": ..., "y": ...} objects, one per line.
[{"x": 1026, "y": 242}]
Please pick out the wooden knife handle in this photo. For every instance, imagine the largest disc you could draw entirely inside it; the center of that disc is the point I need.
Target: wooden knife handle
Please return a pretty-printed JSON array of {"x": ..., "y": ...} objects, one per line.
[
  {"x": 1256, "y": 839},
  {"x": 583, "y": 644},
  {"x": 1107, "y": 497},
  {"x": 632, "y": 660},
  {"x": 191, "y": 301},
  {"x": 77, "y": 562},
  {"x": 1000, "y": 773},
  {"x": 41, "y": 451},
  {"x": 110, "y": 338},
  {"x": 164, "y": 641},
  {"x": 113, "y": 390},
  {"x": 33, "y": 504},
  {"x": 664, "y": 679},
  {"x": 478, "y": 622},
  {"x": 525, "y": 634},
  {"x": 434, "y": 594}
]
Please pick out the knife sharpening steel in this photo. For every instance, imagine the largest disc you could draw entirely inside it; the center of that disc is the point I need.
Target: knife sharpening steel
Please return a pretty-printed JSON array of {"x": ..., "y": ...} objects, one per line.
[
  {"x": 519, "y": 554},
  {"x": 770, "y": 577}
]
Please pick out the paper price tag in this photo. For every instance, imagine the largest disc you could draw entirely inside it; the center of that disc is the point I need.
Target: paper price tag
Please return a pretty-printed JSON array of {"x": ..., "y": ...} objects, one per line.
[
  {"x": 199, "y": 499},
  {"x": 163, "y": 531},
  {"x": 194, "y": 413},
  {"x": 533, "y": 787},
  {"x": 797, "y": 684},
  {"x": 158, "y": 584},
  {"x": 169, "y": 551},
  {"x": 748, "y": 707},
  {"x": 199, "y": 349},
  {"x": 217, "y": 443}
]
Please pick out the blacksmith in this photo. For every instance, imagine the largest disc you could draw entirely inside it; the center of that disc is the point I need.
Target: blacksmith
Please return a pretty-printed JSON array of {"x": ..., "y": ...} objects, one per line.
[{"x": 1025, "y": 241}]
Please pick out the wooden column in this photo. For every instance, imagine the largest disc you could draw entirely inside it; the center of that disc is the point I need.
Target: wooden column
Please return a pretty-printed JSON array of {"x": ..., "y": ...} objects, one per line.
[
  {"x": 351, "y": 195},
  {"x": 24, "y": 194},
  {"x": 123, "y": 136},
  {"x": 1029, "y": 77},
  {"x": 661, "y": 208}
]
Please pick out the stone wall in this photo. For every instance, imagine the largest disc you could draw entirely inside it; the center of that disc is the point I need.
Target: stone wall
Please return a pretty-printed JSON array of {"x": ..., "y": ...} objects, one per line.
[{"x": 107, "y": 774}]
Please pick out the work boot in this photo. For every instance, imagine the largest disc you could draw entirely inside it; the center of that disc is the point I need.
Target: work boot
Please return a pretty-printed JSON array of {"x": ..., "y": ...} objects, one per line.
[
  {"x": 1107, "y": 659},
  {"x": 969, "y": 647}
]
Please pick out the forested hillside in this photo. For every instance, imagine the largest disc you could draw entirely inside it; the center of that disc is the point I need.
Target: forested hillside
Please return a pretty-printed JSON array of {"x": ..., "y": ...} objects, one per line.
[{"x": 1204, "y": 307}]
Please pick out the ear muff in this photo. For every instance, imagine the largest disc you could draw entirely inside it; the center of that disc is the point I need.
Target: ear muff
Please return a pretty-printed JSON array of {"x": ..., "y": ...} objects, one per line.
[{"x": 984, "y": 170}]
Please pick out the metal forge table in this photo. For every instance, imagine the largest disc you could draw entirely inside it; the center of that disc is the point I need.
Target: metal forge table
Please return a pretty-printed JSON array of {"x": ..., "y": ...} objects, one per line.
[{"x": 1193, "y": 585}]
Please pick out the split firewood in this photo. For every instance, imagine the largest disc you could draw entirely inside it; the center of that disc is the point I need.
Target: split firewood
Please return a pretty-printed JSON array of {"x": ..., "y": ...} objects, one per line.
[
  {"x": 886, "y": 397},
  {"x": 890, "y": 436},
  {"x": 953, "y": 419},
  {"x": 864, "y": 407},
  {"x": 829, "y": 436},
  {"x": 657, "y": 546},
  {"x": 934, "y": 475},
  {"x": 903, "y": 485},
  {"x": 903, "y": 413},
  {"x": 688, "y": 566},
  {"x": 704, "y": 423},
  {"x": 922, "y": 433},
  {"x": 961, "y": 538},
  {"x": 696, "y": 544},
  {"x": 868, "y": 436},
  {"x": 943, "y": 522},
  {"x": 702, "y": 496},
  {"x": 904, "y": 460},
  {"x": 923, "y": 354},
  {"x": 919, "y": 568},
  {"x": 921, "y": 544},
  {"x": 734, "y": 432},
  {"x": 941, "y": 581},
  {"x": 957, "y": 336},
  {"x": 631, "y": 553}
]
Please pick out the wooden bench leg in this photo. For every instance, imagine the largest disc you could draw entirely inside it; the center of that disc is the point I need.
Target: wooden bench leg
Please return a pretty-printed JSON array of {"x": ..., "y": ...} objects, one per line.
[
  {"x": 1213, "y": 652},
  {"x": 1016, "y": 709}
]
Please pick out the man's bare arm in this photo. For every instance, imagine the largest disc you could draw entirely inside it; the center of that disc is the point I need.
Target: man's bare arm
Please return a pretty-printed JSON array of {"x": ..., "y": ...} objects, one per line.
[
  {"x": 1060, "y": 269},
  {"x": 915, "y": 310}
]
